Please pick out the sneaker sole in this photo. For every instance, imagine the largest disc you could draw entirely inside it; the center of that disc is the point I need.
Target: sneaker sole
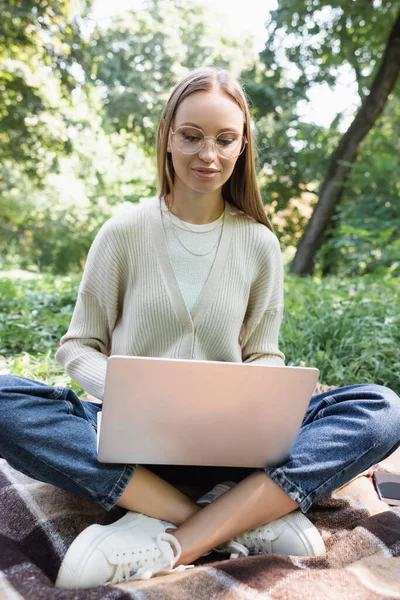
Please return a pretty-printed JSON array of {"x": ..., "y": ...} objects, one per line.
[{"x": 313, "y": 541}]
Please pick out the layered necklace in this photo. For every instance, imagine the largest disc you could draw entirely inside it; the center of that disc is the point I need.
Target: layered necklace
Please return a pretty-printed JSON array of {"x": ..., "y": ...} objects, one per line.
[{"x": 184, "y": 225}]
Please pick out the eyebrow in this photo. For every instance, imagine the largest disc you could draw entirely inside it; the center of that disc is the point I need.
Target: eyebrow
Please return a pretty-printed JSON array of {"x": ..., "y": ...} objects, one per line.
[{"x": 198, "y": 127}]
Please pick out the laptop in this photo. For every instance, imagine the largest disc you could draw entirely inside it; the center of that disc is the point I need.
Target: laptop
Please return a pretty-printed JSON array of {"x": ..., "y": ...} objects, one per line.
[{"x": 164, "y": 411}]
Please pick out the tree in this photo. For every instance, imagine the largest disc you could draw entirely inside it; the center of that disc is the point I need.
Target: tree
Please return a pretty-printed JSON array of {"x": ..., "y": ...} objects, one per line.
[
  {"x": 104, "y": 92},
  {"x": 315, "y": 39},
  {"x": 292, "y": 154},
  {"x": 137, "y": 59},
  {"x": 36, "y": 80},
  {"x": 346, "y": 154},
  {"x": 365, "y": 237}
]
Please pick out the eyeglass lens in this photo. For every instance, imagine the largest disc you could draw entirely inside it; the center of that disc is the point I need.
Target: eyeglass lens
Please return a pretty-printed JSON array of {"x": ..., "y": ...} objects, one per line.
[{"x": 190, "y": 140}]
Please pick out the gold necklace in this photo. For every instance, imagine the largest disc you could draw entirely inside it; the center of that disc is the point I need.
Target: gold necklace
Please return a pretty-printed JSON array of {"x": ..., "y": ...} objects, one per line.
[
  {"x": 171, "y": 217},
  {"x": 196, "y": 253},
  {"x": 185, "y": 226}
]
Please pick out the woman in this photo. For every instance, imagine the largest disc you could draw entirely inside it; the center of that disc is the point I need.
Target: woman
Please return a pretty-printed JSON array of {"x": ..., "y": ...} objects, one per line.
[{"x": 195, "y": 273}]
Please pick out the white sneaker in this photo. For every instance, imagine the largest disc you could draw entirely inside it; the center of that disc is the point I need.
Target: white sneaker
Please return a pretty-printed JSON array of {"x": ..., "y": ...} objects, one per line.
[
  {"x": 292, "y": 534},
  {"x": 134, "y": 547}
]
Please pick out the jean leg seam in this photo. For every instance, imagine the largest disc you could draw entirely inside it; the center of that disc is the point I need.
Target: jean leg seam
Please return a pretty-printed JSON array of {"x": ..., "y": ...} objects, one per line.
[
  {"x": 289, "y": 487},
  {"x": 114, "y": 495}
]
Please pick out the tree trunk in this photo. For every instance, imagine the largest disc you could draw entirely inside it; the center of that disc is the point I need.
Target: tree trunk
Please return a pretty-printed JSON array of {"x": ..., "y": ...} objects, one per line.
[{"x": 346, "y": 152}]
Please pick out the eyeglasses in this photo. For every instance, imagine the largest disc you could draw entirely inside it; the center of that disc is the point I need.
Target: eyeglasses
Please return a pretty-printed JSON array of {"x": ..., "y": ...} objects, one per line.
[{"x": 190, "y": 140}]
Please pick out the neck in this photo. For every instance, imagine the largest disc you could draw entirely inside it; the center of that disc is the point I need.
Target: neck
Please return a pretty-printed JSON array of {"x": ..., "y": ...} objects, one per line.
[{"x": 197, "y": 209}]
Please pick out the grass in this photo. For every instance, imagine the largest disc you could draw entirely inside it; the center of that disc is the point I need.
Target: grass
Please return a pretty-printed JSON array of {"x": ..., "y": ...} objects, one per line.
[
  {"x": 35, "y": 311},
  {"x": 349, "y": 328}
]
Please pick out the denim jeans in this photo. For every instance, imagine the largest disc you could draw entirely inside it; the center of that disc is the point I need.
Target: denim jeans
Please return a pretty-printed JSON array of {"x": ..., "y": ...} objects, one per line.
[{"x": 49, "y": 434}]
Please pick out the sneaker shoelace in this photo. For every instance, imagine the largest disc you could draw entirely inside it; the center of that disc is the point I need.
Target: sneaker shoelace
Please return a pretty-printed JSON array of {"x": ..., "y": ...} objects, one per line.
[
  {"x": 235, "y": 549},
  {"x": 258, "y": 541},
  {"x": 140, "y": 563}
]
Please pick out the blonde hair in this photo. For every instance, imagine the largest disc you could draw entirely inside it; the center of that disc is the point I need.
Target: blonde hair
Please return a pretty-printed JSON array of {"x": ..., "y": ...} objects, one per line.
[{"x": 241, "y": 189}]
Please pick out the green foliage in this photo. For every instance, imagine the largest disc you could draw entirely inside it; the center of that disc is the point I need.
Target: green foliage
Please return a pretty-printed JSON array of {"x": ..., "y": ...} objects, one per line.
[
  {"x": 35, "y": 313},
  {"x": 51, "y": 227},
  {"x": 348, "y": 328},
  {"x": 319, "y": 36},
  {"x": 79, "y": 106},
  {"x": 99, "y": 95},
  {"x": 138, "y": 58},
  {"x": 36, "y": 65},
  {"x": 365, "y": 238},
  {"x": 37, "y": 121},
  {"x": 308, "y": 43}
]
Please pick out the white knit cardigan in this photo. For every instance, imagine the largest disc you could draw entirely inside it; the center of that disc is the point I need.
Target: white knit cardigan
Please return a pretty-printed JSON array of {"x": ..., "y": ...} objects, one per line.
[{"x": 129, "y": 301}]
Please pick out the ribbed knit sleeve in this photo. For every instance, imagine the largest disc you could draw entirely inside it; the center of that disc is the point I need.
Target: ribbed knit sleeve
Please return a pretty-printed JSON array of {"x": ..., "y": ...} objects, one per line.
[
  {"x": 85, "y": 347},
  {"x": 261, "y": 346},
  {"x": 262, "y": 323}
]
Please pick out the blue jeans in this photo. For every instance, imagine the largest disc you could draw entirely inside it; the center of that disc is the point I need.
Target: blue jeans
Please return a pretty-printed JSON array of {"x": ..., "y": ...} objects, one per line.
[{"x": 49, "y": 434}]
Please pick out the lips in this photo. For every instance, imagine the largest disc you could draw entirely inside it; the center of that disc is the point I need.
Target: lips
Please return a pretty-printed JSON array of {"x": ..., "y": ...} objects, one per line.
[{"x": 206, "y": 170}]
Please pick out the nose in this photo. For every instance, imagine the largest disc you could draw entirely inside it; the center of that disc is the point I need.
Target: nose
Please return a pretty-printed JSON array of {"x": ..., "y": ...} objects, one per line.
[{"x": 207, "y": 153}]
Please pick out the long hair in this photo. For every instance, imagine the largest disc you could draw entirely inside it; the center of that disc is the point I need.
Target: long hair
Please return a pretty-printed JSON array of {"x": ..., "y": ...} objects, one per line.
[{"x": 241, "y": 189}]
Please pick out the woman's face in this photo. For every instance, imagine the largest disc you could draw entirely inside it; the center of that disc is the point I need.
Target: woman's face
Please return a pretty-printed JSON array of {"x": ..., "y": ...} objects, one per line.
[{"x": 213, "y": 113}]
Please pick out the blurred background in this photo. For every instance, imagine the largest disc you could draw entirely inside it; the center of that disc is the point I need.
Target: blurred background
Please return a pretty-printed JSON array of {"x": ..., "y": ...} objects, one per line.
[{"x": 82, "y": 87}]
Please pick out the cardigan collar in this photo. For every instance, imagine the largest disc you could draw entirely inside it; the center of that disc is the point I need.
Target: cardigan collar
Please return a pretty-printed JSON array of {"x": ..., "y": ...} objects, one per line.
[{"x": 190, "y": 319}]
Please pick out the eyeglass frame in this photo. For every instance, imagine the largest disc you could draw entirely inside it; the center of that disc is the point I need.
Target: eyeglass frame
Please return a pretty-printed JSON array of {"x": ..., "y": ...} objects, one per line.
[{"x": 244, "y": 142}]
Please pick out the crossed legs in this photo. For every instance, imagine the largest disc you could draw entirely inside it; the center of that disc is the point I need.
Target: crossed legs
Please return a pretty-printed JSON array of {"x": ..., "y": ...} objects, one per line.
[
  {"x": 252, "y": 502},
  {"x": 344, "y": 432}
]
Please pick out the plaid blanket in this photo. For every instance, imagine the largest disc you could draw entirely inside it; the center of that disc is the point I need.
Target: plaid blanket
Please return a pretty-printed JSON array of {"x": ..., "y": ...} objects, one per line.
[{"x": 361, "y": 533}]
